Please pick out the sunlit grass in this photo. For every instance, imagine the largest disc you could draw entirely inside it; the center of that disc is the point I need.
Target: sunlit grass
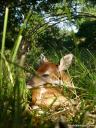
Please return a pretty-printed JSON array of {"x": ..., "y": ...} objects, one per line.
[
  {"x": 15, "y": 98},
  {"x": 13, "y": 94}
]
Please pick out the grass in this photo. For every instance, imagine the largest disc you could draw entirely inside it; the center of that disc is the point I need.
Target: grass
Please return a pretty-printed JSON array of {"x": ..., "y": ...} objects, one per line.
[
  {"x": 85, "y": 79},
  {"x": 15, "y": 98}
]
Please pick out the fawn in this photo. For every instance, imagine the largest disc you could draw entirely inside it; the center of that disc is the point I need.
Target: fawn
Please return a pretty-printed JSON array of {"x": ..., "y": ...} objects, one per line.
[{"x": 46, "y": 84}]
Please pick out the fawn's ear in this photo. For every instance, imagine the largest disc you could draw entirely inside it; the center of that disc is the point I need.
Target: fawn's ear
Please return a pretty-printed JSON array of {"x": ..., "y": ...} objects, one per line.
[
  {"x": 43, "y": 59},
  {"x": 65, "y": 62}
]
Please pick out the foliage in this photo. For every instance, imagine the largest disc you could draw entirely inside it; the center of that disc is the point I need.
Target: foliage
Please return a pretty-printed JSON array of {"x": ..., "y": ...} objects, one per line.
[
  {"x": 41, "y": 35},
  {"x": 86, "y": 35},
  {"x": 76, "y": 12}
]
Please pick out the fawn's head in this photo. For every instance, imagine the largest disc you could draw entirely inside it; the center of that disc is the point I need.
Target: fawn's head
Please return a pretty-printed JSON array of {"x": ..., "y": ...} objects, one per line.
[{"x": 52, "y": 73}]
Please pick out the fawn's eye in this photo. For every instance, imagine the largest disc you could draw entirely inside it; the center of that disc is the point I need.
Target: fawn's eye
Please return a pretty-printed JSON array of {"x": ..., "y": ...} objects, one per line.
[{"x": 45, "y": 75}]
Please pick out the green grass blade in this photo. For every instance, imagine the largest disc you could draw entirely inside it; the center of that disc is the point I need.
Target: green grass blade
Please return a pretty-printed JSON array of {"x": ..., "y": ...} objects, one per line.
[
  {"x": 18, "y": 41},
  {"x": 3, "y": 42},
  {"x": 9, "y": 71},
  {"x": 4, "y": 30},
  {"x": 19, "y": 38}
]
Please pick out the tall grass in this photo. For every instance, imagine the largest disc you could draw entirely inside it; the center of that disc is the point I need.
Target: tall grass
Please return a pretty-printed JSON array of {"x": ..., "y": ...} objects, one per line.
[
  {"x": 3, "y": 43},
  {"x": 13, "y": 93},
  {"x": 12, "y": 82}
]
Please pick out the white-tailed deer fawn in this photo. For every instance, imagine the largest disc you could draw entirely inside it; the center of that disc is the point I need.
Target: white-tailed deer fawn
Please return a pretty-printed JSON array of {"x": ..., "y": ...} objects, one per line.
[{"x": 45, "y": 85}]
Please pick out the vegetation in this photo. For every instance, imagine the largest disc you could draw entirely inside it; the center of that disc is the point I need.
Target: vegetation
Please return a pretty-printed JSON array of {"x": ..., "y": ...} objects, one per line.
[{"x": 31, "y": 28}]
